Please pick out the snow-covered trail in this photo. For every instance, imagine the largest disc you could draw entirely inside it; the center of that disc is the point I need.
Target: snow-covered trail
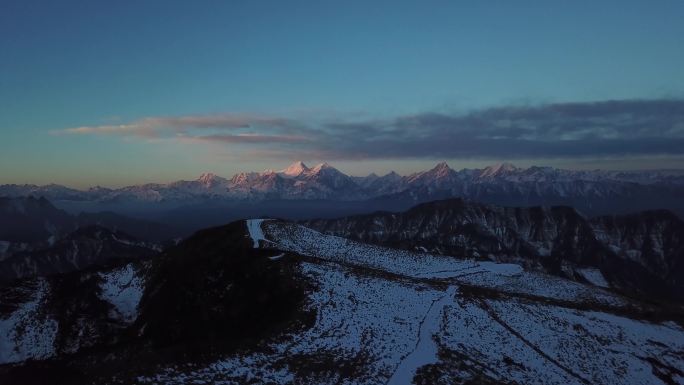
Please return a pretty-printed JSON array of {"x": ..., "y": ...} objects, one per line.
[
  {"x": 255, "y": 231},
  {"x": 425, "y": 351}
]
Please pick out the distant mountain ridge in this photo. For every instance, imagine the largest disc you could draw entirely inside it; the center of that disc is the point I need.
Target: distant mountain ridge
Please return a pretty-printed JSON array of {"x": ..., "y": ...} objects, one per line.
[
  {"x": 594, "y": 192},
  {"x": 86, "y": 247},
  {"x": 30, "y": 220},
  {"x": 38, "y": 239}
]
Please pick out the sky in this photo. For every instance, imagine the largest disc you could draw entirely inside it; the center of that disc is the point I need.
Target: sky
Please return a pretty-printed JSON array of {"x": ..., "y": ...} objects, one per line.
[{"x": 124, "y": 92}]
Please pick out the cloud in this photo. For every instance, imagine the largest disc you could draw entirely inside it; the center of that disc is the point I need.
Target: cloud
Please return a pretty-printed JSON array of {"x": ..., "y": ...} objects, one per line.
[
  {"x": 161, "y": 126},
  {"x": 250, "y": 138},
  {"x": 566, "y": 130}
]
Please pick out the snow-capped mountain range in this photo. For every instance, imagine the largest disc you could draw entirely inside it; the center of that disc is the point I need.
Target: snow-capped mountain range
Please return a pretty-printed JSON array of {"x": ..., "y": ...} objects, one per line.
[{"x": 532, "y": 185}]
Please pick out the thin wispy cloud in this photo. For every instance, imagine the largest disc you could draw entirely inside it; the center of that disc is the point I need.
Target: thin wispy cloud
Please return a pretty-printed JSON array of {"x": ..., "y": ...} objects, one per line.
[
  {"x": 164, "y": 126},
  {"x": 250, "y": 138},
  {"x": 600, "y": 129}
]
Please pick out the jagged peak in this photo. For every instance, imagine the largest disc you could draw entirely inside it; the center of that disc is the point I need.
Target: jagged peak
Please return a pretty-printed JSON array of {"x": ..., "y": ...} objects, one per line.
[
  {"x": 498, "y": 168},
  {"x": 295, "y": 169},
  {"x": 372, "y": 175},
  {"x": 243, "y": 177},
  {"x": 504, "y": 166},
  {"x": 391, "y": 175},
  {"x": 440, "y": 170},
  {"x": 209, "y": 179},
  {"x": 206, "y": 177},
  {"x": 322, "y": 166},
  {"x": 441, "y": 166}
]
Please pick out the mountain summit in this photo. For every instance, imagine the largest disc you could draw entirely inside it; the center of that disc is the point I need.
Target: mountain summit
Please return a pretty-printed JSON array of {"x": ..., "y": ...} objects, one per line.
[
  {"x": 295, "y": 169},
  {"x": 442, "y": 166},
  {"x": 207, "y": 178},
  {"x": 498, "y": 170}
]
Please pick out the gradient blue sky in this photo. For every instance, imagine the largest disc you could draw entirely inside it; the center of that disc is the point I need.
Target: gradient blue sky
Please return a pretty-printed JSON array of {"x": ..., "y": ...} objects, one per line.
[{"x": 68, "y": 64}]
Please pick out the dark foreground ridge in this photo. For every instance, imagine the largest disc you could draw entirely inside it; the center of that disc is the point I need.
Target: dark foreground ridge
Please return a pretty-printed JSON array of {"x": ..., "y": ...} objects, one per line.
[
  {"x": 212, "y": 293},
  {"x": 270, "y": 301}
]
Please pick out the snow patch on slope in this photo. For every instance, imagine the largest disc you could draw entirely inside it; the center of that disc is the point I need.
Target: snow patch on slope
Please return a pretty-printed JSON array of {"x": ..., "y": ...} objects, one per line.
[
  {"x": 26, "y": 333},
  {"x": 471, "y": 334},
  {"x": 604, "y": 348},
  {"x": 123, "y": 288},
  {"x": 255, "y": 231},
  {"x": 594, "y": 277},
  {"x": 311, "y": 243},
  {"x": 546, "y": 286}
]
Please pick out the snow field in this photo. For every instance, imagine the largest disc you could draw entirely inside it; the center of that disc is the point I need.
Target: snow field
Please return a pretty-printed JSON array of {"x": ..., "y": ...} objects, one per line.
[
  {"x": 26, "y": 333},
  {"x": 123, "y": 288}
]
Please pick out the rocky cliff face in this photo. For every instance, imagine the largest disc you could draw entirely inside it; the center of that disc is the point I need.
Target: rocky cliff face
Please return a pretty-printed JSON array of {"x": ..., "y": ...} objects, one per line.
[
  {"x": 652, "y": 239},
  {"x": 641, "y": 253}
]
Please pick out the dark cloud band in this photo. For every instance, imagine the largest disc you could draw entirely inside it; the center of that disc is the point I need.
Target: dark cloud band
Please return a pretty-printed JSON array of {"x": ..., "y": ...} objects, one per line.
[{"x": 609, "y": 128}]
